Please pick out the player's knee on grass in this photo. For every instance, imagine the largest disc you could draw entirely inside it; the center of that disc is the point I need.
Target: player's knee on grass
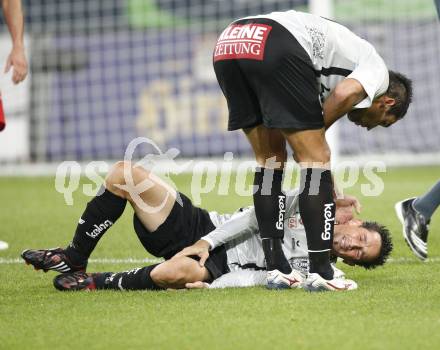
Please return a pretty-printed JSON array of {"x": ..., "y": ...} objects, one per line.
[{"x": 175, "y": 273}]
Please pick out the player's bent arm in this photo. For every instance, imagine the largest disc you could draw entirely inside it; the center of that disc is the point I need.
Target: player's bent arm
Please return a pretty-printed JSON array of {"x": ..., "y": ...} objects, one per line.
[
  {"x": 238, "y": 225},
  {"x": 344, "y": 96}
]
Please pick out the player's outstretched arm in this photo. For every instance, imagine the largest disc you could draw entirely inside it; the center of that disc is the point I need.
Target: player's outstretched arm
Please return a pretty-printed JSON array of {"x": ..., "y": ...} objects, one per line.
[
  {"x": 14, "y": 20},
  {"x": 344, "y": 96}
]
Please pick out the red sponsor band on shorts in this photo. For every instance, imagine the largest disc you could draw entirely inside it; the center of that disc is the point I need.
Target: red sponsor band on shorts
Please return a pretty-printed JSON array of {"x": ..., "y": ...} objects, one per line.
[{"x": 245, "y": 41}]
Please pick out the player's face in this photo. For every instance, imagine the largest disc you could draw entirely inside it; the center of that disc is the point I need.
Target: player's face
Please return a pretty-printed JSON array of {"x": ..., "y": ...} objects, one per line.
[
  {"x": 376, "y": 115},
  {"x": 356, "y": 244}
]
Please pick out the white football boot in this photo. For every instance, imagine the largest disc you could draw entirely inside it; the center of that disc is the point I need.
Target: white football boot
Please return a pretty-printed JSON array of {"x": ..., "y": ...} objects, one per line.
[
  {"x": 315, "y": 283},
  {"x": 415, "y": 227},
  {"x": 279, "y": 280}
]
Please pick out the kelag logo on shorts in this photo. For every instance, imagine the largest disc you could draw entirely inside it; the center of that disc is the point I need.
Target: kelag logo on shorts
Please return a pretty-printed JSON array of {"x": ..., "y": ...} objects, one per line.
[{"x": 242, "y": 41}]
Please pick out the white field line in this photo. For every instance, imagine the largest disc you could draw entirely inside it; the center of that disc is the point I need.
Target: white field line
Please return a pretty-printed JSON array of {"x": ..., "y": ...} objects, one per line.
[
  {"x": 112, "y": 261},
  {"x": 10, "y": 261}
]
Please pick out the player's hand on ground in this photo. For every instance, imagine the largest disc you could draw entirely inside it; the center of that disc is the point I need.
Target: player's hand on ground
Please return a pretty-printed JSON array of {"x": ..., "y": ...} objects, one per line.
[
  {"x": 197, "y": 285},
  {"x": 200, "y": 248},
  {"x": 17, "y": 60}
]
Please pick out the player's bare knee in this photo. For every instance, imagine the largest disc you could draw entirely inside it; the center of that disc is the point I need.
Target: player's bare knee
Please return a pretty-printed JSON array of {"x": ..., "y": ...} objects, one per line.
[
  {"x": 180, "y": 270},
  {"x": 158, "y": 276},
  {"x": 161, "y": 275},
  {"x": 139, "y": 174},
  {"x": 323, "y": 156},
  {"x": 313, "y": 161},
  {"x": 273, "y": 160},
  {"x": 313, "y": 157},
  {"x": 116, "y": 173},
  {"x": 115, "y": 178}
]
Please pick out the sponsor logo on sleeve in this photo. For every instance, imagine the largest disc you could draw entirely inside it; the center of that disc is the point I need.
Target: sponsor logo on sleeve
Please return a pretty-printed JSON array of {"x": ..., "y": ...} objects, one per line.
[{"x": 242, "y": 42}]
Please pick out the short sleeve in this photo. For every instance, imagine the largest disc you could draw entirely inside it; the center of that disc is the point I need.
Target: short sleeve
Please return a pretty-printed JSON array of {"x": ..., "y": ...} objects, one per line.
[{"x": 372, "y": 74}]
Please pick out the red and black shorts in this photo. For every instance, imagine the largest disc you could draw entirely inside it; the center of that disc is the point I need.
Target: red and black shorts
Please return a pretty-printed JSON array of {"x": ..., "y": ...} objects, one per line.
[{"x": 267, "y": 77}]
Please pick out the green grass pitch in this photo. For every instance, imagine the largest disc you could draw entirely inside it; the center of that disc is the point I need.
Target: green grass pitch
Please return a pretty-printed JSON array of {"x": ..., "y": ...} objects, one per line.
[{"x": 395, "y": 307}]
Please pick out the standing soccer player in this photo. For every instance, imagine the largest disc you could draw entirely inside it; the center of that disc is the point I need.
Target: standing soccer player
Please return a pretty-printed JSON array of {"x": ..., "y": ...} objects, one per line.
[
  {"x": 13, "y": 15},
  {"x": 415, "y": 213},
  {"x": 288, "y": 76}
]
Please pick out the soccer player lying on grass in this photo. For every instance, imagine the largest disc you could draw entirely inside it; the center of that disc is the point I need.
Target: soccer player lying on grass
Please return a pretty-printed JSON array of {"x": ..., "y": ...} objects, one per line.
[{"x": 165, "y": 227}]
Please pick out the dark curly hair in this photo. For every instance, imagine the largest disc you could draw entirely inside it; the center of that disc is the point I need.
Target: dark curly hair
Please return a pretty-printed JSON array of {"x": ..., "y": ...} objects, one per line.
[
  {"x": 385, "y": 248},
  {"x": 399, "y": 88}
]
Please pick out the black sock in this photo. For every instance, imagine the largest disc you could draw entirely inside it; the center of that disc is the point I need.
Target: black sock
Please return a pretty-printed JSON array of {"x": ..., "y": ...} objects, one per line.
[
  {"x": 101, "y": 213},
  {"x": 270, "y": 206},
  {"x": 317, "y": 209},
  {"x": 136, "y": 279},
  {"x": 275, "y": 258}
]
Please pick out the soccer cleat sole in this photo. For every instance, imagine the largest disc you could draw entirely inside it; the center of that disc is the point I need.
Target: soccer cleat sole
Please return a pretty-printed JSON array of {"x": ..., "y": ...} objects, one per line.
[
  {"x": 69, "y": 282},
  {"x": 315, "y": 283},
  {"x": 27, "y": 262},
  {"x": 322, "y": 288},
  {"x": 314, "y": 289},
  {"x": 35, "y": 268},
  {"x": 414, "y": 249},
  {"x": 62, "y": 267}
]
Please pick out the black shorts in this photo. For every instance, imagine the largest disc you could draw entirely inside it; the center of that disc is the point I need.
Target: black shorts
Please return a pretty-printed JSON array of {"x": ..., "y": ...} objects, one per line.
[
  {"x": 269, "y": 79},
  {"x": 183, "y": 227}
]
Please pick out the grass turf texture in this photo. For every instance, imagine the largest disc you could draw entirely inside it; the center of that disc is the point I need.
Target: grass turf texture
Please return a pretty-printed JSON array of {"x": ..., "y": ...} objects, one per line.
[{"x": 395, "y": 307}]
